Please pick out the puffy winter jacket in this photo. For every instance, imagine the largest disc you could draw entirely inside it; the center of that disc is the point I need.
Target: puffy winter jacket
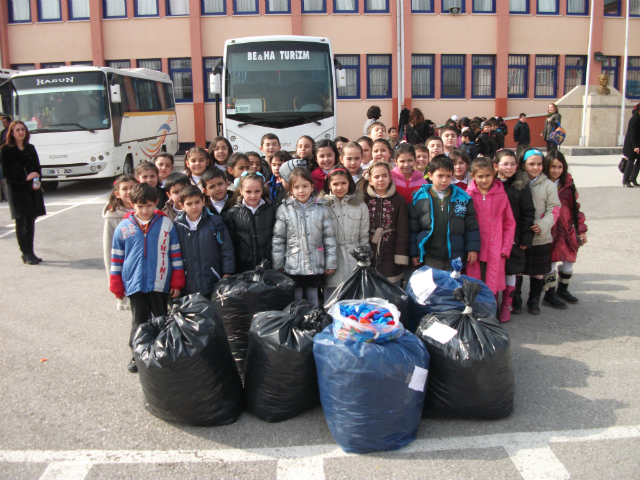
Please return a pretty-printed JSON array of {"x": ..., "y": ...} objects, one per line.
[
  {"x": 304, "y": 241},
  {"x": 521, "y": 133},
  {"x": 565, "y": 243},
  {"x": 517, "y": 188},
  {"x": 251, "y": 233},
  {"x": 150, "y": 262},
  {"x": 406, "y": 187},
  {"x": 463, "y": 234},
  {"x": 350, "y": 219},
  {"x": 207, "y": 252},
  {"x": 497, "y": 228},
  {"x": 547, "y": 203},
  {"x": 470, "y": 149}
]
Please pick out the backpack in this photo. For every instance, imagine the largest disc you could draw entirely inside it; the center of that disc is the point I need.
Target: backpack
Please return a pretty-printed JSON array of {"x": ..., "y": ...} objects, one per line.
[{"x": 558, "y": 135}]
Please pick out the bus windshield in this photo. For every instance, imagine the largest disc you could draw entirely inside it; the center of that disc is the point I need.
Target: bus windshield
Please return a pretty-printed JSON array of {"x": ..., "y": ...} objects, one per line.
[
  {"x": 62, "y": 102},
  {"x": 279, "y": 84}
]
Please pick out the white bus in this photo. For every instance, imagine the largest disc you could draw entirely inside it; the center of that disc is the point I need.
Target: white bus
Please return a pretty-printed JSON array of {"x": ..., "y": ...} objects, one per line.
[
  {"x": 280, "y": 84},
  {"x": 93, "y": 122}
]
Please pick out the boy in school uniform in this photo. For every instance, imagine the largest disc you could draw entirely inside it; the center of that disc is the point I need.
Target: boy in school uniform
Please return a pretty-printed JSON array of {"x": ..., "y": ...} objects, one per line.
[
  {"x": 215, "y": 187},
  {"x": 468, "y": 146},
  {"x": 522, "y": 134},
  {"x": 269, "y": 144},
  {"x": 442, "y": 221},
  {"x": 164, "y": 162},
  {"x": 173, "y": 184},
  {"x": 146, "y": 261}
]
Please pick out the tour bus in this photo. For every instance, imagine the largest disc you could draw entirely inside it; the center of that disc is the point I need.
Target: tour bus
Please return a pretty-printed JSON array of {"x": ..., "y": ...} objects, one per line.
[
  {"x": 93, "y": 122},
  {"x": 280, "y": 84}
]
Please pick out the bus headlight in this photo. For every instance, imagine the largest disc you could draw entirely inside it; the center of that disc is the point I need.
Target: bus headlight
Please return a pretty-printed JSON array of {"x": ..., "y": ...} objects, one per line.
[
  {"x": 93, "y": 159},
  {"x": 93, "y": 168},
  {"x": 100, "y": 157},
  {"x": 235, "y": 148}
]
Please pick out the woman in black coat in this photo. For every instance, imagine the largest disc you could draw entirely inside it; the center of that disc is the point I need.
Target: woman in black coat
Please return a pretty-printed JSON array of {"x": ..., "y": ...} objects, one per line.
[
  {"x": 631, "y": 149},
  {"x": 418, "y": 129},
  {"x": 21, "y": 168}
]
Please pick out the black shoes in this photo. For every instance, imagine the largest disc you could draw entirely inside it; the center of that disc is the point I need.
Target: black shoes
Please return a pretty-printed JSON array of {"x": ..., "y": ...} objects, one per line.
[
  {"x": 550, "y": 300},
  {"x": 535, "y": 289},
  {"x": 634, "y": 183},
  {"x": 30, "y": 259},
  {"x": 627, "y": 184},
  {"x": 132, "y": 367},
  {"x": 563, "y": 288},
  {"x": 516, "y": 306}
]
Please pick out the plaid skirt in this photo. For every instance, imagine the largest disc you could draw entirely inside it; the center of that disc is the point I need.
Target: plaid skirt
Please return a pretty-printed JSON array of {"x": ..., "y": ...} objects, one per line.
[
  {"x": 312, "y": 281},
  {"x": 538, "y": 260}
]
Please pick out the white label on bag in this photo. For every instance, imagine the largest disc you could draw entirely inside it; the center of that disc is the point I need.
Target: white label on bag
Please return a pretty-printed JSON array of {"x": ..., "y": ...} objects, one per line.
[
  {"x": 418, "y": 379},
  {"x": 422, "y": 285},
  {"x": 440, "y": 332}
]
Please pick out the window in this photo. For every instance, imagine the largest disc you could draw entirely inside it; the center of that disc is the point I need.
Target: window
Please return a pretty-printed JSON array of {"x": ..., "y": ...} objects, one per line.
[
  {"x": 19, "y": 11},
  {"x": 421, "y": 6},
  {"x": 483, "y": 73},
  {"x": 633, "y": 78},
  {"x": 23, "y": 67},
  {"x": 484, "y": 6},
  {"x": 209, "y": 63},
  {"x": 634, "y": 8},
  {"x": 547, "y": 7},
  {"x": 610, "y": 67},
  {"x": 575, "y": 70},
  {"x": 119, "y": 63},
  {"x": 241, "y": 7},
  {"x": 145, "y": 8},
  {"x": 52, "y": 65},
  {"x": 78, "y": 9},
  {"x": 314, "y": 6},
  {"x": 546, "y": 76},
  {"x": 177, "y": 8},
  {"x": 214, "y": 7},
  {"x": 351, "y": 66},
  {"x": 151, "y": 64},
  {"x": 422, "y": 76},
  {"x": 278, "y": 6},
  {"x": 49, "y": 11},
  {"x": 180, "y": 72},
  {"x": 114, "y": 8},
  {"x": 376, "y": 6},
  {"x": 147, "y": 93},
  {"x": 519, "y": 6},
  {"x": 612, "y": 8},
  {"x": 447, "y": 4},
  {"x": 518, "y": 76},
  {"x": 345, "y": 6},
  {"x": 82, "y": 64},
  {"x": 453, "y": 76},
  {"x": 577, "y": 7},
  {"x": 378, "y": 76}
]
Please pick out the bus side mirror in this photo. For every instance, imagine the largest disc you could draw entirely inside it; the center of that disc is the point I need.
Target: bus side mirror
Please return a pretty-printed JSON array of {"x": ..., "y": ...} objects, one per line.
[
  {"x": 342, "y": 78},
  {"x": 115, "y": 93},
  {"x": 215, "y": 86}
]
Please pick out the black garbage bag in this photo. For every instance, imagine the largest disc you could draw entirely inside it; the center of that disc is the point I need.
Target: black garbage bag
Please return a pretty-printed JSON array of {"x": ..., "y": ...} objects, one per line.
[
  {"x": 239, "y": 297},
  {"x": 367, "y": 282},
  {"x": 471, "y": 372},
  {"x": 303, "y": 307},
  {"x": 185, "y": 366},
  {"x": 281, "y": 380}
]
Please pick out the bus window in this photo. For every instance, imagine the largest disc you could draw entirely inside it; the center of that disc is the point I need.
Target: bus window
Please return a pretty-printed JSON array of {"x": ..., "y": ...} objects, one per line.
[
  {"x": 168, "y": 94},
  {"x": 147, "y": 95},
  {"x": 129, "y": 89}
]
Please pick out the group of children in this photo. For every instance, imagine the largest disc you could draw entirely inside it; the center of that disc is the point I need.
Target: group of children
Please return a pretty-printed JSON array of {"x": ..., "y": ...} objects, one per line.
[{"x": 424, "y": 205}]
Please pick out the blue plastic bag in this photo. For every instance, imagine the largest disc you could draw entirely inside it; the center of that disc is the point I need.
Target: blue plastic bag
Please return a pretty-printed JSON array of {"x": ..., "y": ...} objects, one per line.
[
  {"x": 372, "y": 394},
  {"x": 431, "y": 291}
]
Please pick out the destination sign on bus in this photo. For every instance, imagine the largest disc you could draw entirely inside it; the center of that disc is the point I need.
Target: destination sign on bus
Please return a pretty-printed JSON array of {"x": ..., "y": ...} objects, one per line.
[{"x": 284, "y": 55}]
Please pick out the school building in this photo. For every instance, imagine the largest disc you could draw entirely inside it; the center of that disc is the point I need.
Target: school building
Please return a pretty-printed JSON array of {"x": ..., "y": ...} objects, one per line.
[{"x": 462, "y": 57}]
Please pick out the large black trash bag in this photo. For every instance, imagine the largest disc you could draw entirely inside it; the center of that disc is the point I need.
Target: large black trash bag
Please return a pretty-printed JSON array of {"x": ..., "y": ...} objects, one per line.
[
  {"x": 281, "y": 380},
  {"x": 303, "y": 307},
  {"x": 367, "y": 282},
  {"x": 471, "y": 374},
  {"x": 185, "y": 365},
  {"x": 239, "y": 297}
]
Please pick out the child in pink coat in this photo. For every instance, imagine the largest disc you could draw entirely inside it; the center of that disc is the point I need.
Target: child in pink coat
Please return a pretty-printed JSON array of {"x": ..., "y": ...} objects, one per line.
[
  {"x": 497, "y": 225},
  {"x": 404, "y": 175}
]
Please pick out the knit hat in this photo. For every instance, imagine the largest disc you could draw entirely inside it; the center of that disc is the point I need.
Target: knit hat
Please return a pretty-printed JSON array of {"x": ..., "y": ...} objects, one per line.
[{"x": 287, "y": 167}]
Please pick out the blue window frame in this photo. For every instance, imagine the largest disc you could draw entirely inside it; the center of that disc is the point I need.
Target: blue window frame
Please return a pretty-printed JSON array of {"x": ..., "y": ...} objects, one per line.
[
  {"x": 119, "y": 63},
  {"x": 114, "y": 9},
  {"x": 483, "y": 76},
  {"x": 376, "y": 6},
  {"x": 484, "y": 6},
  {"x": 422, "y": 76},
  {"x": 145, "y": 8},
  {"x": 208, "y": 63},
  {"x": 314, "y": 6},
  {"x": 447, "y": 4},
  {"x": 345, "y": 6},
  {"x": 351, "y": 66},
  {"x": 547, "y": 7},
  {"x": 278, "y": 6},
  {"x": 49, "y": 11},
  {"x": 213, "y": 7},
  {"x": 575, "y": 71},
  {"x": 78, "y": 9},
  {"x": 421, "y": 6},
  {"x": 378, "y": 76},
  {"x": 52, "y": 65},
  {"x": 519, "y": 7},
  {"x": 577, "y": 7},
  {"x": 177, "y": 8},
  {"x": 610, "y": 67},
  {"x": 612, "y": 8},
  {"x": 150, "y": 63},
  {"x": 546, "y": 76},
  {"x": 23, "y": 67},
  {"x": 633, "y": 77},
  {"x": 180, "y": 73},
  {"x": 452, "y": 76},
  {"x": 245, "y": 7},
  {"x": 518, "y": 76},
  {"x": 19, "y": 11},
  {"x": 634, "y": 8}
]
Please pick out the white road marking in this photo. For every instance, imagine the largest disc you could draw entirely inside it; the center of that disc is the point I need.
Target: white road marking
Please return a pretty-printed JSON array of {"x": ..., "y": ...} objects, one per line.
[
  {"x": 66, "y": 471},
  {"x": 529, "y": 451}
]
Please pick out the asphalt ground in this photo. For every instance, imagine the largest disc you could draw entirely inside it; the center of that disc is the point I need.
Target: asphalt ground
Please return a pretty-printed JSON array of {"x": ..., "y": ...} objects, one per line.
[{"x": 69, "y": 409}]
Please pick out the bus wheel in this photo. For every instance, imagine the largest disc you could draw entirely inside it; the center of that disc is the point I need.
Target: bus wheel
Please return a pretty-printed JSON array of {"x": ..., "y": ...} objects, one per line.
[
  {"x": 50, "y": 186},
  {"x": 127, "y": 169}
]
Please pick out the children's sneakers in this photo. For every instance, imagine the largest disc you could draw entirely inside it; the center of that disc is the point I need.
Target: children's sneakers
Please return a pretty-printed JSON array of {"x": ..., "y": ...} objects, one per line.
[{"x": 132, "y": 367}]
